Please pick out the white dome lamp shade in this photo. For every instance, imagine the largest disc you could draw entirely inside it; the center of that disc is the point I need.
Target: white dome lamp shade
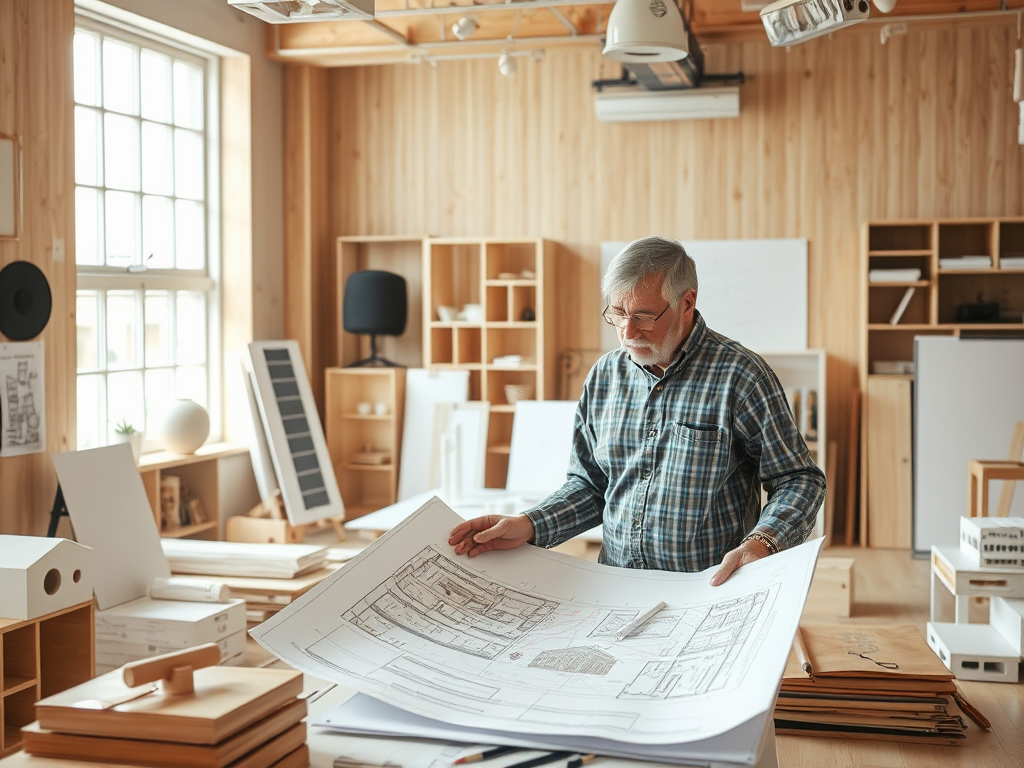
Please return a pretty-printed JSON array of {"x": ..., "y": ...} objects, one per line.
[{"x": 646, "y": 31}]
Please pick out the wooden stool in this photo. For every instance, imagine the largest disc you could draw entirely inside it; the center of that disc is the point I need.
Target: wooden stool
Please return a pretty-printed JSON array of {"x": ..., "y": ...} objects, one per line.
[{"x": 981, "y": 472}]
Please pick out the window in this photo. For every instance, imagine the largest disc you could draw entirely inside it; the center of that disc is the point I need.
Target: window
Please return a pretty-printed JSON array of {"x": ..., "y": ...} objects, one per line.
[{"x": 146, "y": 233}]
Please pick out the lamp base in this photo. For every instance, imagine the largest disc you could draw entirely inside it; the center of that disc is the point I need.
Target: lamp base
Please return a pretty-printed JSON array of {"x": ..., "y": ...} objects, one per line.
[{"x": 374, "y": 360}]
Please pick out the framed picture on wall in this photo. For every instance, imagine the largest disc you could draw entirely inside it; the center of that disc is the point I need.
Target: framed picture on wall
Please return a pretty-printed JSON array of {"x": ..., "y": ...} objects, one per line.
[{"x": 10, "y": 187}]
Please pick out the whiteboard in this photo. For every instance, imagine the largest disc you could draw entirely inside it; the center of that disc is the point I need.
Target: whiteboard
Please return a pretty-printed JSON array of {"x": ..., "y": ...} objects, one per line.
[
  {"x": 968, "y": 395},
  {"x": 753, "y": 291}
]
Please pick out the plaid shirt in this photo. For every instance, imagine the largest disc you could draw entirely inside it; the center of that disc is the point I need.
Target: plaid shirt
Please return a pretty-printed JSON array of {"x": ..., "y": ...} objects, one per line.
[{"x": 672, "y": 466}]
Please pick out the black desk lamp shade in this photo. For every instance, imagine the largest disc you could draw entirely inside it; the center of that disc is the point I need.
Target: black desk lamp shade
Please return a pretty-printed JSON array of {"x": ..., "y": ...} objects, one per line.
[{"x": 375, "y": 304}]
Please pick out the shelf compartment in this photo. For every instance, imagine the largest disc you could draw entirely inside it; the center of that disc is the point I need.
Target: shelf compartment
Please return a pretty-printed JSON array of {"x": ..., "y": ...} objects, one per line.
[
  {"x": 920, "y": 261},
  {"x": 454, "y": 275},
  {"x": 372, "y": 435},
  {"x": 966, "y": 239},
  {"x": 955, "y": 289},
  {"x": 512, "y": 341},
  {"x": 20, "y": 657},
  {"x": 510, "y": 259},
  {"x": 364, "y": 492},
  {"x": 19, "y": 711},
  {"x": 184, "y": 531},
  {"x": 441, "y": 345},
  {"x": 499, "y": 302},
  {"x": 467, "y": 347},
  {"x": 900, "y": 237},
  {"x": 201, "y": 480},
  {"x": 1011, "y": 238},
  {"x": 66, "y": 646},
  {"x": 497, "y": 378},
  {"x": 897, "y": 343},
  {"x": 883, "y": 300}
]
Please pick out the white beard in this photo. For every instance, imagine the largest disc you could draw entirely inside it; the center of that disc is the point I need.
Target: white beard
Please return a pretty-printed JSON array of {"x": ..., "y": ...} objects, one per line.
[{"x": 643, "y": 354}]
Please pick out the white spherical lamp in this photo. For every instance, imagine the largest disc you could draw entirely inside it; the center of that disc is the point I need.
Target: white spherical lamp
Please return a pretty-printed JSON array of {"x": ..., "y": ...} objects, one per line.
[{"x": 186, "y": 426}]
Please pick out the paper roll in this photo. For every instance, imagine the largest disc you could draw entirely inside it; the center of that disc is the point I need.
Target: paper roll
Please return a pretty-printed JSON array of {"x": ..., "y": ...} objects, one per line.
[
  {"x": 190, "y": 590},
  {"x": 1018, "y": 75}
]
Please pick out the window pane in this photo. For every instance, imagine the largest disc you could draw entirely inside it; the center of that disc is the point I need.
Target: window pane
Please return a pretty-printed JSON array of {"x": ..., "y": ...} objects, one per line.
[
  {"x": 159, "y": 324},
  {"x": 159, "y": 397},
  {"x": 189, "y": 235},
  {"x": 157, "y": 158},
  {"x": 87, "y": 147},
  {"x": 87, "y": 49},
  {"x": 121, "y": 151},
  {"x": 191, "y": 383},
  {"x": 124, "y": 401},
  {"x": 121, "y": 229},
  {"x": 122, "y": 324},
  {"x": 188, "y": 164},
  {"x": 91, "y": 412},
  {"x": 188, "y": 95},
  {"x": 155, "y": 71},
  {"x": 119, "y": 77},
  {"x": 87, "y": 316},
  {"x": 158, "y": 232},
  {"x": 88, "y": 215},
  {"x": 191, "y": 347}
]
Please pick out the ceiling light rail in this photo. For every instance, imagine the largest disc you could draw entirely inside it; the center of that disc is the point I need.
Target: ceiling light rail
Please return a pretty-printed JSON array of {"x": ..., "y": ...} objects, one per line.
[
  {"x": 484, "y": 8},
  {"x": 406, "y": 45}
]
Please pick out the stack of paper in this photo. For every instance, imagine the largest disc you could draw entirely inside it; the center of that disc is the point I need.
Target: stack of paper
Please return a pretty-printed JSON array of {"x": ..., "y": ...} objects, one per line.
[
  {"x": 146, "y": 627},
  {"x": 234, "y": 558},
  {"x": 265, "y": 597},
  {"x": 234, "y": 717},
  {"x": 893, "y": 275},
  {"x": 1011, "y": 262},
  {"x": 965, "y": 262},
  {"x": 870, "y": 682},
  {"x": 521, "y": 647}
]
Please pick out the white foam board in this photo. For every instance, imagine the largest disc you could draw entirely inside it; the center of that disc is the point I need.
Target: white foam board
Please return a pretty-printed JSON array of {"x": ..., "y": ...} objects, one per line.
[{"x": 974, "y": 651}]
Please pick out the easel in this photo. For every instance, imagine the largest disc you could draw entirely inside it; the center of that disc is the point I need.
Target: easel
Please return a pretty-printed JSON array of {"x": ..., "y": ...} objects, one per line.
[
  {"x": 267, "y": 523},
  {"x": 60, "y": 509}
]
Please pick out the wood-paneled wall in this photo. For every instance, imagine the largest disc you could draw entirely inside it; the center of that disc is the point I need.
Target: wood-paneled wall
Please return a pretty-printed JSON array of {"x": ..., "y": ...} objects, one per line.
[
  {"x": 36, "y": 106},
  {"x": 832, "y": 132}
]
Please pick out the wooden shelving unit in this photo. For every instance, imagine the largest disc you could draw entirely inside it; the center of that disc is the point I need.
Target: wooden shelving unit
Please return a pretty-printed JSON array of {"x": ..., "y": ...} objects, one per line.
[
  {"x": 886, "y": 484},
  {"x": 511, "y": 281},
  {"x": 219, "y": 475},
  {"x": 364, "y": 487},
  {"x": 39, "y": 658}
]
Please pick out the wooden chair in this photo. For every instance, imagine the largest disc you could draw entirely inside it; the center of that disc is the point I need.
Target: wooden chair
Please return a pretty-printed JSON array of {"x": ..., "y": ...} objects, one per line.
[{"x": 982, "y": 472}]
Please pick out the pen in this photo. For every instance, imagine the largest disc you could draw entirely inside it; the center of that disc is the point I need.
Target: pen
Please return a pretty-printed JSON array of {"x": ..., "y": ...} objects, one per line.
[
  {"x": 582, "y": 760},
  {"x": 487, "y": 754},
  {"x": 542, "y": 760},
  {"x": 801, "y": 652},
  {"x": 636, "y": 623}
]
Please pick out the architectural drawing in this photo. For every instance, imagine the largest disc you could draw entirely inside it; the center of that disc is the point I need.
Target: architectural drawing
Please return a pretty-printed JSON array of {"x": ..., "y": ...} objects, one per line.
[
  {"x": 526, "y": 639},
  {"x": 22, "y": 398}
]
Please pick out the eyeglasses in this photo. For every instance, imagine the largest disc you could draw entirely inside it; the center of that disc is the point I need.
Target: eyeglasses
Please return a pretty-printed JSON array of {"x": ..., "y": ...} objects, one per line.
[{"x": 642, "y": 322}]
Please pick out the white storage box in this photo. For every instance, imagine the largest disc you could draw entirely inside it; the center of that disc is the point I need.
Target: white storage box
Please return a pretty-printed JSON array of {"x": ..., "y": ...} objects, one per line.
[
  {"x": 993, "y": 541},
  {"x": 1007, "y": 616},
  {"x": 169, "y": 623},
  {"x": 974, "y": 651}
]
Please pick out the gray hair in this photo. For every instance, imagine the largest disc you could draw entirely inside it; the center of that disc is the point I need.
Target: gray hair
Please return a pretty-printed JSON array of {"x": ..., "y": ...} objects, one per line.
[{"x": 646, "y": 258}]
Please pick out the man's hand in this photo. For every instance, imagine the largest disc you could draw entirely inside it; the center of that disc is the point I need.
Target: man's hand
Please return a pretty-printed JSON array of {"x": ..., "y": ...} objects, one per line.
[
  {"x": 482, "y": 534},
  {"x": 746, "y": 552}
]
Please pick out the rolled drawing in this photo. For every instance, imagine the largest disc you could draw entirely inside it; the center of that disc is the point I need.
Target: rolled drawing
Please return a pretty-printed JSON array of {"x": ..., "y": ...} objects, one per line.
[{"x": 194, "y": 590}]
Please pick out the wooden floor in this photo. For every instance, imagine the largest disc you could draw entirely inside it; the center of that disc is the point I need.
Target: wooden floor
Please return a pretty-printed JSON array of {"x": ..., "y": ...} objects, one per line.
[{"x": 891, "y": 587}]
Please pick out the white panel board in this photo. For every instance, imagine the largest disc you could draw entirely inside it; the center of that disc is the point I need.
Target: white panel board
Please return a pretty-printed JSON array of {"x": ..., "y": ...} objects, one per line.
[
  {"x": 302, "y": 463},
  {"x": 968, "y": 395},
  {"x": 110, "y": 512},
  {"x": 471, "y": 419},
  {"x": 423, "y": 391},
  {"x": 541, "y": 445},
  {"x": 753, "y": 291}
]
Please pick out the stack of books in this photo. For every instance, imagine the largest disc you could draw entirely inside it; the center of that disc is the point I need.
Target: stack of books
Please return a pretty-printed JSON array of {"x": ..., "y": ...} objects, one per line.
[
  {"x": 233, "y": 718},
  {"x": 870, "y": 682}
]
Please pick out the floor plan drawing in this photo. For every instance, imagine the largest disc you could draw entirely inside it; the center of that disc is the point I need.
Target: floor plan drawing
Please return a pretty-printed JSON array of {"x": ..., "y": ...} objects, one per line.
[
  {"x": 22, "y": 398},
  {"x": 471, "y": 640}
]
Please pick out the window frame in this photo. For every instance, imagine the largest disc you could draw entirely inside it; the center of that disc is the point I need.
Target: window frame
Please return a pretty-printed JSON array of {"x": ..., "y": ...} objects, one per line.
[{"x": 138, "y": 278}]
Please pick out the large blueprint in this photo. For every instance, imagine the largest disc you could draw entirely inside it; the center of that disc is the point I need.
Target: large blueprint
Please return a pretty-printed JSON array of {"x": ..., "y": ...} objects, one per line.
[{"x": 523, "y": 641}]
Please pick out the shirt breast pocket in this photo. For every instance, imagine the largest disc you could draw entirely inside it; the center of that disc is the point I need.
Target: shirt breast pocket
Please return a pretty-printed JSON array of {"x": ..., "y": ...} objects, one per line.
[{"x": 699, "y": 456}]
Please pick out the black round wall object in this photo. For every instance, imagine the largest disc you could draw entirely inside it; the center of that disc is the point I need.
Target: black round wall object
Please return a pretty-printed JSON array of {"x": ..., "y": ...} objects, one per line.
[
  {"x": 375, "y": 303},
  {"x": 25, "y": 301}
]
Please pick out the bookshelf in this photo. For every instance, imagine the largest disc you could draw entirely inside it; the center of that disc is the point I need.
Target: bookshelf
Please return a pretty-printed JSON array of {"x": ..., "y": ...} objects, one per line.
[{"x": 971, "y": 283}]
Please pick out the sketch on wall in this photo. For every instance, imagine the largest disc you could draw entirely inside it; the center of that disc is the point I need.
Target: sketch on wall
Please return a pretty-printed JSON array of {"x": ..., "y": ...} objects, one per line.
[{"x": 22, "y": 398}]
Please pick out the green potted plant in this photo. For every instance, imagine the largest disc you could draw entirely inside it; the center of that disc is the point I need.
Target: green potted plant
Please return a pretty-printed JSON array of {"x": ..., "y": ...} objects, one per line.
[{"x": 125, "y": 432}]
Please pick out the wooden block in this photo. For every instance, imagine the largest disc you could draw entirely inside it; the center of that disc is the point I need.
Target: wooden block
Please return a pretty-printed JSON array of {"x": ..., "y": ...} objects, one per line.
[
  {"x": 831, "y": 587},
  {"x": 263, "y": 530}
]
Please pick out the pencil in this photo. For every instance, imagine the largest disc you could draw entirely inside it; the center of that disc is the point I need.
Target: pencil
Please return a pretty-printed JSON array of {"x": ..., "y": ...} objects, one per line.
[
  {"x": 542, "y": 760},
  {"x": 580, "y": 761},
  {"x": 639, "y": 621},
  {"x": 801, "y": 652},
  {"x": 487, "y": 754}
]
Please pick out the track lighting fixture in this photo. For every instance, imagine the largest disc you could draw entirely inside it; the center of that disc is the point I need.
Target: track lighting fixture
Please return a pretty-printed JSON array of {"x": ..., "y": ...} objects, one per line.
[
  {"x": 506, "y": 64},
  {"x": 465, "y": 27}
]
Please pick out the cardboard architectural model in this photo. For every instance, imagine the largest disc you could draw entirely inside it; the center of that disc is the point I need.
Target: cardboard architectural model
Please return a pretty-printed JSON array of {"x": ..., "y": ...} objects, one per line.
[{"x": 39, "y": 576}]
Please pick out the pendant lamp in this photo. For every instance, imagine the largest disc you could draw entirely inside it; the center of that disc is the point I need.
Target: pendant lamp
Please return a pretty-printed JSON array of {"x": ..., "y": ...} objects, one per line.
[{"x": 646, "y": 31}]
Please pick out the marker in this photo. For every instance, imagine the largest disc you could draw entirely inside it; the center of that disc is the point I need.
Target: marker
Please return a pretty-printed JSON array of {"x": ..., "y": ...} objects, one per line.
[{"x": 639, "y": 621}]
